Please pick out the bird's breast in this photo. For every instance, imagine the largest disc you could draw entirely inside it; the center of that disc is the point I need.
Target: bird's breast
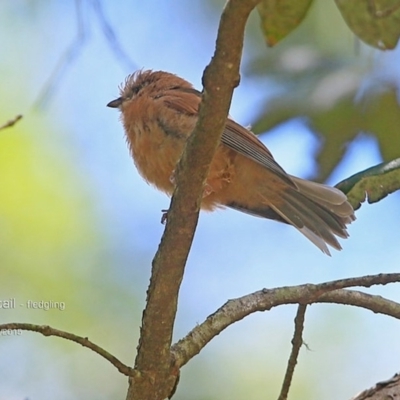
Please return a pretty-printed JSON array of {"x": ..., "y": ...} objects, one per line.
[{"x": 155, "y": 153}]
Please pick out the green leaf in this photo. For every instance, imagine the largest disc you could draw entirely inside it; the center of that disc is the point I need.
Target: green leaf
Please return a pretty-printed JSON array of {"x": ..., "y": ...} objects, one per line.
[
  {"x": 374, "y": 183},
  {"x": 330, "y": 108},
  {"x": 280, "y": 17},
  {"x": 375, "y": 22},
  {"x": 381, "y": 117},
  {"x": 337, "y": 126}
]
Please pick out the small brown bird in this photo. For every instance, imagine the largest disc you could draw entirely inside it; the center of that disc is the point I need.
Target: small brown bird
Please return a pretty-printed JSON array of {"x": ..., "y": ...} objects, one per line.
[{"x": 159, "y": 111}]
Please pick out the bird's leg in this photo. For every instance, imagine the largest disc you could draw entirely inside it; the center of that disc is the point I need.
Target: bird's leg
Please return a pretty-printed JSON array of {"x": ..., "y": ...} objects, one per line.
[
  {"x": 207, "y": 190},
  {"x": 172, "y": 178},
  {"x": 164, "y": 216}
]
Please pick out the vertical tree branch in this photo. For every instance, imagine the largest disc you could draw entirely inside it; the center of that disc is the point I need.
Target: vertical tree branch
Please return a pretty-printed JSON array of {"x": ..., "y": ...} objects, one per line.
[
  {"x": 155, "y": 376},
  {"x": 297, "y": 342}
]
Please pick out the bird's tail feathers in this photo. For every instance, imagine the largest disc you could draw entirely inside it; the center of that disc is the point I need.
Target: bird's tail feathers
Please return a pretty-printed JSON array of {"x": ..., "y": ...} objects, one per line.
[{"x": 319, "y": 212}]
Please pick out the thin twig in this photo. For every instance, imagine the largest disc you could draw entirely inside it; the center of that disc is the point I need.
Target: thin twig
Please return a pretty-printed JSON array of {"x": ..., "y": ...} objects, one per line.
[
  {"x": 111, "y": 37},
  {"x": 83, "y": 341},
  {"x": 11, "y": 122},
  {"x": 297, "y": 342},
  {"x": 66, "y": 59},
  {"x": 75, "y": 48}
]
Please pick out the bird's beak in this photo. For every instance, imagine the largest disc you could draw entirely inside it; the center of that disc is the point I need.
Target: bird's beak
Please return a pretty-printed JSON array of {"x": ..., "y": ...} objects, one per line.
[{"x": 115, "y": 103}]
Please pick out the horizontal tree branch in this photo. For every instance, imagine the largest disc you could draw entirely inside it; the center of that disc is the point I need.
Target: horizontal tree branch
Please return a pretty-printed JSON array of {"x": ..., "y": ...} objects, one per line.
[
  {"x": 263, "y": 300},
  {"x": 374, "y": 303},
  {"x": 237, "y": 309},
  {"x": 83, "y": 341}
]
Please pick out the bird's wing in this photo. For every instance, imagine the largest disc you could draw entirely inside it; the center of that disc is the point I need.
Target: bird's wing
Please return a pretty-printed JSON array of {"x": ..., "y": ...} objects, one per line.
[
  {"x": 182, "y": 99},
  {"x": 234, "y": 136},
  {"x": 240, "y": 139}
]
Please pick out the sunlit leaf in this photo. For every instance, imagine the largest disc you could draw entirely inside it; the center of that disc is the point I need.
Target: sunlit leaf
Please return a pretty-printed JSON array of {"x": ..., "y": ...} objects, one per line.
[
  {"x": 373, "y": 184},
  {"x": 280, "y": 17},
  {"x": 375, "y": 22}
]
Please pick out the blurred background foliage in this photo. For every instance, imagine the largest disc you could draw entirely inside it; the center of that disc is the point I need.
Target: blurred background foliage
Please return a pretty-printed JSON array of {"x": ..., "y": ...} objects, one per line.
[
  {"x": 338, "y": 95},
  {"x": 78, "y": 225}
]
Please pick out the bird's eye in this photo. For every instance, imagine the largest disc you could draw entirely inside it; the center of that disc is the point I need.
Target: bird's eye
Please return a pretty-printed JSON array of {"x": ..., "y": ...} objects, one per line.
[{"x": 134, "y": 91}]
